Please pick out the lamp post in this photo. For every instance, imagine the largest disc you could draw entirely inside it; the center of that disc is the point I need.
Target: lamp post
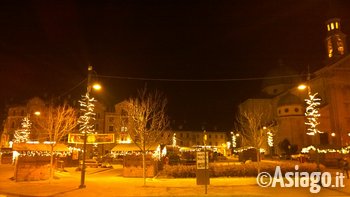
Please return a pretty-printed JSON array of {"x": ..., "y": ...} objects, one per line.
[
  {"x": 205, "y": 161},
  {"x": 312, "y": 115},
  {"x": 87, "y": 126}
]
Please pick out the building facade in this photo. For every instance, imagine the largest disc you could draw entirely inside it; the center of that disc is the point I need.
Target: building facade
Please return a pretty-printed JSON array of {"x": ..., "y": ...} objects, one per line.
[
  {"x": 332, "y": 85},
  {"x": 14, "y": 120}
]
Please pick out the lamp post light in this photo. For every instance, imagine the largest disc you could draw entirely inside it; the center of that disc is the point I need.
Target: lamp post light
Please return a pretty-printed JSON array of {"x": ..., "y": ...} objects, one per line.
[
  {"x": 312, "y": 114},
  {"x": 86, "y": 120}
]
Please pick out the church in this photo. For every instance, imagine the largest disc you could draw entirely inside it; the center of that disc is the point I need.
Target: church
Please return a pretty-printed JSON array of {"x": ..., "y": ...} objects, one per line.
[{"x": 330, "y": 84}]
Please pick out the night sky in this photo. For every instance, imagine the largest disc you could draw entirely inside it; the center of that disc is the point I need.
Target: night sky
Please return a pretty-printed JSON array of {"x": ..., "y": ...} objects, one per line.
[{"x": 45, "y": 49}]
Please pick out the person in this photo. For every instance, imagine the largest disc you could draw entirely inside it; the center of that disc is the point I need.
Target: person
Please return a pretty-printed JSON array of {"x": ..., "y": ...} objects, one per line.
[{"x": 346, "y": 167}]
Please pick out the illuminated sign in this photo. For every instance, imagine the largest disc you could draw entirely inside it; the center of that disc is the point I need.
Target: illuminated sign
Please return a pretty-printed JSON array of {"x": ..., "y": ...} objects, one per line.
[{"x": 75, "y": 138}]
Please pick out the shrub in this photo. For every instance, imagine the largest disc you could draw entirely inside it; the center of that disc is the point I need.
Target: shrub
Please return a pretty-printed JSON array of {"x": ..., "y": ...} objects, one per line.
[
  {"x": 237, "y": 169},
  {"x": 180, "y": 171}
]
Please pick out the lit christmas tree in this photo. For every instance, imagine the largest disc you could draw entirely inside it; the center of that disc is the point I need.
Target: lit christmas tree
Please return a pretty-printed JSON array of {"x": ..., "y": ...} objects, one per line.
[
  {"x": 86, "y": 120},
  {"x": 22, "y": 135},
  {"x": 312, "y": 114}
]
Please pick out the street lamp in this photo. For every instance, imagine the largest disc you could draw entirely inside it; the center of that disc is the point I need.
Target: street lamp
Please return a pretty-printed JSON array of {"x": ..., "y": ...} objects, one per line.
[
  {"x": 86, "y": 120},
  {"x": 312, "y": 114},
  {"x": 205, "y": 160}
]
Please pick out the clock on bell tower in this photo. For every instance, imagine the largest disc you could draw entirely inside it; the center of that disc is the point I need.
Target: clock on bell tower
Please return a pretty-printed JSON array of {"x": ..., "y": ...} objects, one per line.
[{"x": 335, "y": 40}]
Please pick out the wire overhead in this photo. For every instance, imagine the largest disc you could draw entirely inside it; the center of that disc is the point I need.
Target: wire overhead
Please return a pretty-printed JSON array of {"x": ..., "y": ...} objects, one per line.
[{"x": 199, "y": 80}]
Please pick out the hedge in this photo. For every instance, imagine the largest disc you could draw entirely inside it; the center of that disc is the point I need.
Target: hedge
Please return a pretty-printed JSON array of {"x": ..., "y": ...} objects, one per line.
[{"x": 237, "y": 169}]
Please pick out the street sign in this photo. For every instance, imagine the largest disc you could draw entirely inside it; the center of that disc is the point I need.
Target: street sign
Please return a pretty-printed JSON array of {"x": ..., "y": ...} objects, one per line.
[
  {"x": 77, "y": 138},
  {"x": 202, "y": 172},
  {"x": 201, "y": 161}
]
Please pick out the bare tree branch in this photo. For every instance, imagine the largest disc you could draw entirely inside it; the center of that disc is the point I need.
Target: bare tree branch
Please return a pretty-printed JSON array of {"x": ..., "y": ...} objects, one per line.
[
  {"x": 56, "y": 122},
  {"x": 147, "y": 121}
]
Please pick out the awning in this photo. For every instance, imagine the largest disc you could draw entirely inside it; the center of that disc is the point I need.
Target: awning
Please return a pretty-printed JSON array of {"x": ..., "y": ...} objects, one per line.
[
  {"x": 130, "y": 147},
  {"x": 39, "y": 147}
]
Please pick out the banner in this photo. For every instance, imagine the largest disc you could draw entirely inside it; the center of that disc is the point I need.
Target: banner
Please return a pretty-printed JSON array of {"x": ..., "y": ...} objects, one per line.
[{"x": 75, "y": 138}]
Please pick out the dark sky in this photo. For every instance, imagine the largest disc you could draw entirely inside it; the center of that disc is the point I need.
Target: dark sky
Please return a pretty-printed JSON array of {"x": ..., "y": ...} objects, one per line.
[{"x": 45, "y": 48}]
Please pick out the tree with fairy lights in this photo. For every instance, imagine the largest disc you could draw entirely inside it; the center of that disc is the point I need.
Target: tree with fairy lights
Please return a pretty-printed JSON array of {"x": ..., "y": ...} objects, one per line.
[
  {"x": 312, "y": 114},
  {"x": 86, "y": 120},
  {"x": 22, "y": 135}
]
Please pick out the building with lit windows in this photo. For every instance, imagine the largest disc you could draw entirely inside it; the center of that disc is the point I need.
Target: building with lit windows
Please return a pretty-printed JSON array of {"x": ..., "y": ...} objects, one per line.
[
  {"x": 332, "y": 84},
  {"x": 14, "y": 119}
]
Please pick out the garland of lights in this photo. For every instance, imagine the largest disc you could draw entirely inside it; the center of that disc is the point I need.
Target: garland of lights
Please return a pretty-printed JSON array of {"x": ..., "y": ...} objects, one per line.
[
  {"x": 344, "y": 150},
  {"x": 234, "y": 141},
  {"x": 86, "y": 120},
  {"x": 270, "y": 138},
  {"x": 22, "y": 135},
  {"x": 312, "y": 114}
]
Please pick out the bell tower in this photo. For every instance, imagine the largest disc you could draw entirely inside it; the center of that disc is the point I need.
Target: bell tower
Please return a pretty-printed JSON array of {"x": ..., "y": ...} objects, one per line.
[{"x": 335, "y": 40}]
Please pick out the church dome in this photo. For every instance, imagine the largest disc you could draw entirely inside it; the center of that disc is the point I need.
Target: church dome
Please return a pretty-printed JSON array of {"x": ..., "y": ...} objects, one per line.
[
  {"x": 289, "y": 99},
  {"x": 290, "y": 105},
  {"x": 279, "y": 80}
]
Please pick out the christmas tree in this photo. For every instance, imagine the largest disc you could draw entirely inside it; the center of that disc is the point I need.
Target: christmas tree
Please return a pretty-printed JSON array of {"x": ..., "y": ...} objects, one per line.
[{"x": 22, "y": 135}]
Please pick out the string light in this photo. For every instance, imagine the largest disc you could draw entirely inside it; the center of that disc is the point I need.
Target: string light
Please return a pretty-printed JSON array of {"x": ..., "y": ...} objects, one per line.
[
  {"x": 312, "y": 114},
  {"x": 270, "y": 138},
  {"x": 344, "y": 150},
  {"x": 174, "y": 140},
  {"x": 86, "y": 120},
  {"x": 234, "y": 141},
  {"x": 248, "y": 148},
  {"x": 22, "y": 135}
]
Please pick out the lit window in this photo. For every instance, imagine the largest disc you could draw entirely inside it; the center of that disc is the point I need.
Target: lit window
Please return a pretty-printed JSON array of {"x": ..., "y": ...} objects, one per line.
[
  {"x": 330, "y": 54},
  {"x": 332, "y": 26},
  {"x": 340, "y": 46},
  {"x": 330, "y": 48},
  {"x": 336, "y": 25},
  {"x": 328, "y": 27}
]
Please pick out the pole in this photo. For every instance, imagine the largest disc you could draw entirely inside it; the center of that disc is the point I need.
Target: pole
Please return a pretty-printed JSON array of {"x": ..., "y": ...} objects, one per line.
[
  {"x": 317, "y": 135},
  {"x": 205, "y": 163},
  {"x": 88, "y": 89}
]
